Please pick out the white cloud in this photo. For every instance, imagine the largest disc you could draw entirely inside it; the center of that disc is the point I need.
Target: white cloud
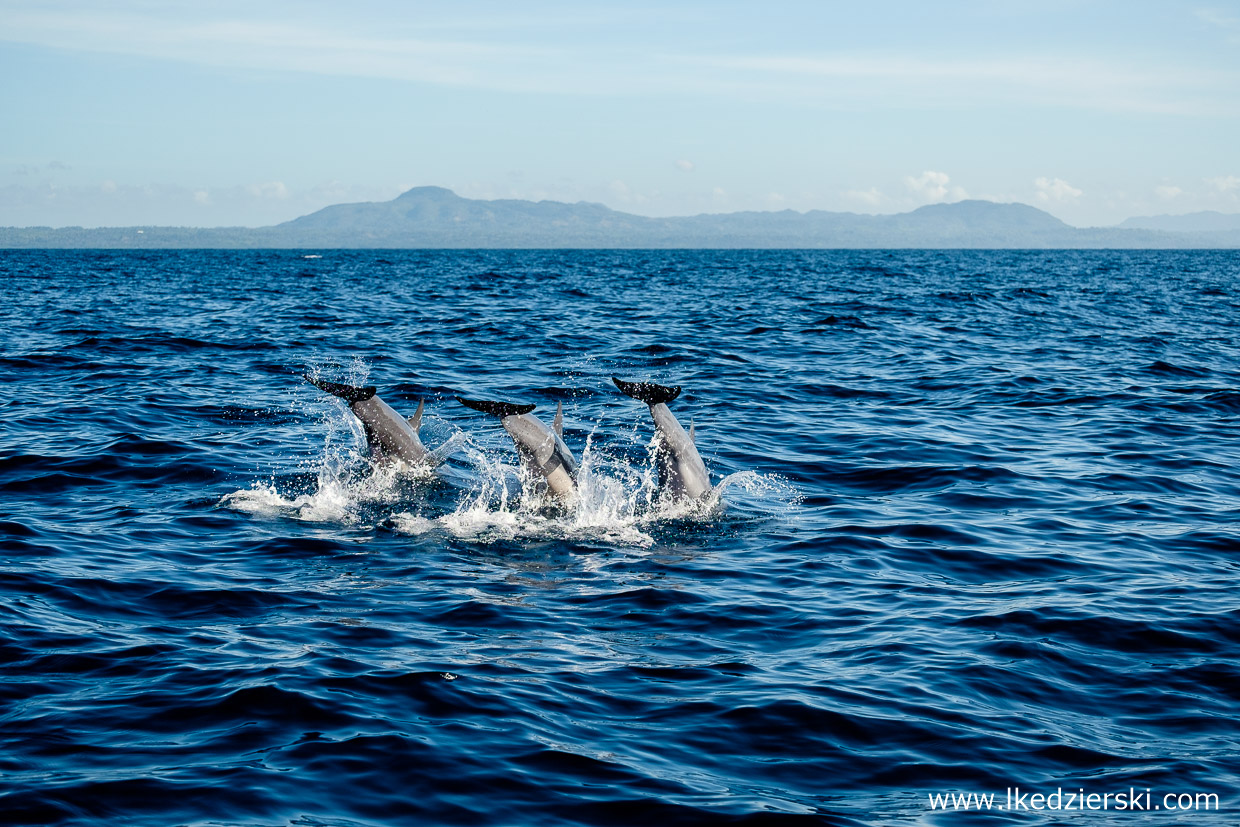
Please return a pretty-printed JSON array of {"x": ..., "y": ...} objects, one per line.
[
  {"x": 1168, "y": 192},
  {"x": 1056, "y": 189},
  {"x": 624, "y": 195},
  {"x": 1229, "y": 24},
  {"x": 39, "y": 170},
  {"x": 1225, "y": 183},
  {"x": 272, "y": 189},
  {"x": 933, "y": 187},
  {"x": 117, "y": 204},
  {"x": 870, "y": 198},
  {"x": 685, "y": 166}
]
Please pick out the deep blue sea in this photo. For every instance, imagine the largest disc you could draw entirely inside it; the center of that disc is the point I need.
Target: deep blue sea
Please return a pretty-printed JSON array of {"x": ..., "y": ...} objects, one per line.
[{"x": 977, "y": 530}]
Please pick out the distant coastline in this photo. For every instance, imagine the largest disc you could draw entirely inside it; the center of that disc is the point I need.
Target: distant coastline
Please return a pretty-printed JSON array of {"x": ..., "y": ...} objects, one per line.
[{"x": 437, "y": 218}]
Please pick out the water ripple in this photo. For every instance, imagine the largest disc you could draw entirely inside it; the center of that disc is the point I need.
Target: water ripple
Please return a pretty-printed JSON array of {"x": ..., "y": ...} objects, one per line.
[{"x": 975, "y": 527}]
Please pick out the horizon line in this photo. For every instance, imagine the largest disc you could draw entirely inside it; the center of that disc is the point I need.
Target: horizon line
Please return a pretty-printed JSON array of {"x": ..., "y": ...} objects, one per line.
[{"x": 599, "y": 204}]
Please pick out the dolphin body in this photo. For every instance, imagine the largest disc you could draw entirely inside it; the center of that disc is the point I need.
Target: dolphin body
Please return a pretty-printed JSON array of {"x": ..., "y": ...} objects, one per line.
[
  {"x": 681, "y": 470},
  {"x": 387, "y": 433},
  {"x": 542, "y": 449}
]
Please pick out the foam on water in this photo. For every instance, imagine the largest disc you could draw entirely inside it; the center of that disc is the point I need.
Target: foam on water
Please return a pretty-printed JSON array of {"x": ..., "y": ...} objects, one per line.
[
  {"x": 340, "y": 494},
  {"x": 615, "y": 504}
]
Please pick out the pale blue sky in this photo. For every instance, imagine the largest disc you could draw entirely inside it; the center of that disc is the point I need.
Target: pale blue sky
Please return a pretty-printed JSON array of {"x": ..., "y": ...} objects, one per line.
[{"x": 208, "y": 114}]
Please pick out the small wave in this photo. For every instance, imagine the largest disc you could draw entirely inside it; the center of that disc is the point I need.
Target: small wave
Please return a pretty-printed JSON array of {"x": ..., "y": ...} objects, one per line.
[
  {"x": 1161, "y": 368},
  {"x": 1206, "y": 401},
  {"x": 164, "y": 343},
  {"x": 842, "y": 321}
]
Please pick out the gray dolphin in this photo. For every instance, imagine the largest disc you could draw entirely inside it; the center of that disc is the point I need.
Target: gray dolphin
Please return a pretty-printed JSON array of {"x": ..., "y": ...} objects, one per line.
[
  {"x": 681, "y": 470},
  {"x": 542, "y": 449},
  {"x": 387, "y": 433}
]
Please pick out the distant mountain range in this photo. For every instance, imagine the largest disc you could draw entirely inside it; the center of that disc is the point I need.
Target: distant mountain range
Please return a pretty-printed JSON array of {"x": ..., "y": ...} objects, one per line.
[
  {"x": 1197, "y": 222},
  {"x": 433, "y": 217}
]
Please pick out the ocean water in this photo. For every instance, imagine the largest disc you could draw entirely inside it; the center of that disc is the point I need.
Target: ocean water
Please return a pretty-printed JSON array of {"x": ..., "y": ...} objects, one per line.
[{"x": 977, "y": 529}]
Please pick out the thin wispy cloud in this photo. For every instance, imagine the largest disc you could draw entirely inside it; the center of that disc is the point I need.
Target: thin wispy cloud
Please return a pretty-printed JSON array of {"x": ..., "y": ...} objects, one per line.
[
  {"x": 460, "y": 52},
  {"x": 300, "y": 45},
  {"x": 1228, "y": 22},
  {"x": 1046, "y": 80}
]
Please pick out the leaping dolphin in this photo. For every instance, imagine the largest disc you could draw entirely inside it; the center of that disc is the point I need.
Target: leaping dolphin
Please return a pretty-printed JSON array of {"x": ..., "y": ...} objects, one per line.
[
  {"x": 681, "y": 470},
  {"x": 387, "y": 433},
  {"x": 542, "y": 449}
]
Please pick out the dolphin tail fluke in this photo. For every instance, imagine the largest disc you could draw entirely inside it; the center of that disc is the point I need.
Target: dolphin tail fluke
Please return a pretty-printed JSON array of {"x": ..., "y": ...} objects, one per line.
[
  {"x": 500, "y": 409},
  {"x": 348, "y": 393},
  {"x": 648, "y": 392}
]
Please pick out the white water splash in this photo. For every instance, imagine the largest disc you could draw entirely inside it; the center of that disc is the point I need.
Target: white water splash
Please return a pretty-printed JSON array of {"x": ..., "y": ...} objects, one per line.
[
  {"x": 339, "y": 495},
  {"x": 617, "y": 503},
  {"x": 346, "y": 483},
  {"x": 766, "y": 493}
]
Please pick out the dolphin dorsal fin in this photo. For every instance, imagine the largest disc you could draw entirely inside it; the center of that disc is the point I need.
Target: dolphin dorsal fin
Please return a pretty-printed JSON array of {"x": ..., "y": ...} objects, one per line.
[
  {"x": 692, "y": 434},
  {"x": 500, "y": 409},
  {"x": 415, "y": 421},
  {"x": 557, "y": 424},
  {"x": 648, "y": 392}
]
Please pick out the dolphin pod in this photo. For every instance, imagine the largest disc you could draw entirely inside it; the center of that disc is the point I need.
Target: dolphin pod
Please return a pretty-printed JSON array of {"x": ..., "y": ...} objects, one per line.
[{"x": 681, "y": 472}]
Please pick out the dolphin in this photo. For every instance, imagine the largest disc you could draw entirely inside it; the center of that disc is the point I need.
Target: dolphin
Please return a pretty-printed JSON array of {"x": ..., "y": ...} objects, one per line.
[
  {"x": 387, "y": 433},
  {"x": 542, "y": 449},
  {"x": 681, "y": 470}
]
